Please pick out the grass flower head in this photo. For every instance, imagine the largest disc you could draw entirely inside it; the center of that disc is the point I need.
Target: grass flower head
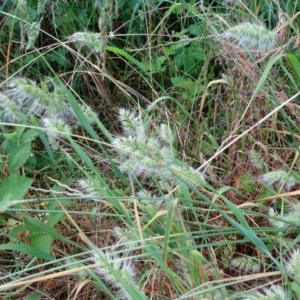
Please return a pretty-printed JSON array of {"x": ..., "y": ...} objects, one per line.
[
  {"x": 279, "y": 177},
  {"x": 38, "y": 99},
  {"x": 57, "y": 128},
  {"x": 291, "y": 219},
  {"x": 148, "y": 155},
  {"x": 132, "y": 124},
  {"x": 10, "y": 111},
  {"x": 90, "y": 40},
  {"x": 273, "y": 293},
  {"x": 246, "y": 264},
  {"x": 293, "y": 264},
  {"x": 251, "y": 37},
  {"x": 115, "y": 272}
]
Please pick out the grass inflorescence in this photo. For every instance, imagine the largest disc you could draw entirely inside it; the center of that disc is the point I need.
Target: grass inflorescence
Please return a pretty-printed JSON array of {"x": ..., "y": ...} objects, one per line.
[{"x": 149, "y": 150}]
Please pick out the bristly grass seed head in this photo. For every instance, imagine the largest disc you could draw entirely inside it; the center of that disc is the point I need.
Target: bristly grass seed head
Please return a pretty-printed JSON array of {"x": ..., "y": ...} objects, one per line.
[
  {"x": 57, "y": 128},
  {"x": 141, "y": 154},
  {"x": 293, "y": 264},
  {"x": 91, "y": 40},
  {"x": 147, "y": 155},
  {"x": 246, "y": 264},
  {"x": 166, "y": 134},
  {"x": 288, "y": 220},
  {"x": 146, "y": 198},
  {"x": 32, "y": 31},
  {"x": 276, "y": 223},
  {"x": 86, "y": 187},
  {"x": 132, "y": 124},
  {"x": 215, "y": 294},
  {"x": 38, "y": 99},
  {"x": 279, "y": 177},
  {"x": 126, "y": 239},
  {"x": 27, "y": 94},
  {"x": 273, "y": 293},
  {"x": 110, "y": 267},
  {"x": 10, "y": 111},
  {"x": 251, "y": 37},
  {"x": 89, "y": 113},
  {"x": 58, "y": 105},
  {"x": 256, "y": 160}
]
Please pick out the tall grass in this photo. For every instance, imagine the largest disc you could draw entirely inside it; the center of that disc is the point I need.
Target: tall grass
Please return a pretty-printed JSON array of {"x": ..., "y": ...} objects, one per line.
[{"x": 149, "y": 150}]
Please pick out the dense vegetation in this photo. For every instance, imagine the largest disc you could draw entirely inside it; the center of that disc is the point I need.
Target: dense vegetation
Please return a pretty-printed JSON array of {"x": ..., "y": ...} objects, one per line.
[{"x": 149, "y": 149}]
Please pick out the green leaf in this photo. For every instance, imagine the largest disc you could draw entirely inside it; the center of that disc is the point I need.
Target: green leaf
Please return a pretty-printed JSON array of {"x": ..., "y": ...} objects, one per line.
[
  {"x": 296, "y": 288},
  {"x": 195, "y": 29},
  {"x": 176, "y": 48},
  {"x": 237, "y": 212},
  {"x": 39, "y": 239},
  {"x": 28, "y": 250},
  {"x": 35, "y": 296},
  {"x": 168, "y": 225},
  {"x": 294, "y": 63},
  {"x": 187, "y": 84},
  {"x": 267, "y": 192},
  {"x": 261, "y": 81},
  {"x": 12, "y": 190},
  {"x": 129, "y": 58},
  {"x": 155, "y": 65},
  {"x": 247, "y": 183},
  {"x": 19, "y": 156},
  {"x": 29, "y": 135}
]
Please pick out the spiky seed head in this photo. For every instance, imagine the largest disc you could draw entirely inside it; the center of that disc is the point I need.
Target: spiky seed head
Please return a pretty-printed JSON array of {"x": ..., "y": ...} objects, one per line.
[
  {"x": 187, "y": 173},
  {"x": 251, "y": 37},
  {"x": 291, "y": 219},
  {"x": 32, "y": 30},
  {"x": 58, "y": 105},
  {"x": 108, "y": 265},
  {"x": 166, "y": 134},
  {"x": 86, "y": 186},
  {"x": 39, "y": 99},
  {"x": 149, "y": 155},
  {"x": 10, "y": 111},
  {"x": 256, "y": 160},
  {"x": 132, "y": 124},
  {"x": 273, "y": 293},
  {"x": 91, "y": 40},
  {"x": 293, "y": 264},
  {"x": 216, "y": 293},
  {"x": 279, "y": 177},
  {"x": 146, "y": 198},
  {"x": 27, "y": 94},
  {"x": 276, "y": 223},
  {"x": 126, "y": 239},
  {"x": 246, "y": 264},
  {"x": 57, "y": 129},
  {"x": 89, "y": 113}
]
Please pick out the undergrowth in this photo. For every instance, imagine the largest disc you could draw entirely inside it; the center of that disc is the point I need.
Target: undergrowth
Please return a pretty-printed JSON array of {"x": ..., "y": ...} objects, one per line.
[{"x": 149, "y": 149}]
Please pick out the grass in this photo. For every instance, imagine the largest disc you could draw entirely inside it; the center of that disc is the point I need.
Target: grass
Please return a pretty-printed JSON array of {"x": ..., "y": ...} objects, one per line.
[{"x": 149, "y": 150}]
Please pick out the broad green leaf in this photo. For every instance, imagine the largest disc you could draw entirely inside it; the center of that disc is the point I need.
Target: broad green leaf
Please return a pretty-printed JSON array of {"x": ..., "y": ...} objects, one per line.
[
  {"x": 33, "y": 235},
  {"x": 248, "y": 183},
  {"x": 29, "y": 135},
  {"x": 35, "y": 296},
  {"x": 195, "y": 29},
  {"x": 19, "y": 156},
  {"x": 12, "y": 190},
  {"x": 25, "y": 249}
]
